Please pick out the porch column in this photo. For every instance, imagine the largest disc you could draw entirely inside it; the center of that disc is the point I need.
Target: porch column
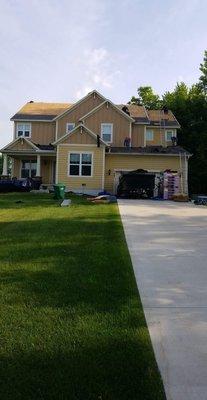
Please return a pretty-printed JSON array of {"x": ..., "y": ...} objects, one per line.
[
  {"x": 38, "y": 173},
  {"x": 5, "y": 165}
]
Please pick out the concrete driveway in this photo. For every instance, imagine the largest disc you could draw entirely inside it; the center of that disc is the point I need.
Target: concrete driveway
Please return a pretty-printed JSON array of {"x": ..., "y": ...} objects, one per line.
[{"x": 168, "y": 246}]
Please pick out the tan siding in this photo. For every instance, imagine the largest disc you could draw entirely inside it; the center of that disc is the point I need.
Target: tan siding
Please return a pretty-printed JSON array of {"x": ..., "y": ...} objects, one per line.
[
  {"x": 138, "y": 132},
  {"x": 46, "y": 168},
  {"x": 46, "y": 171},
  {"x": 79, "y": 137},
  {"x": 42, "y": 132},
  {"x": 75, "y": 183},
  {"x": 77, "y": 113},
  {"x": 124, "y": 162},
  {"x": 159, "y": 137},
  {"x": 20, "y": 146},
  {"x": 16, "y": 167},
  {"x": 121, "y": 125}
]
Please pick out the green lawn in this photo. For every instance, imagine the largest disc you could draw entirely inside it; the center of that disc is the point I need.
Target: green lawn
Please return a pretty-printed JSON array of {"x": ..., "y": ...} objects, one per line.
[{"x": 71, "y": 322}]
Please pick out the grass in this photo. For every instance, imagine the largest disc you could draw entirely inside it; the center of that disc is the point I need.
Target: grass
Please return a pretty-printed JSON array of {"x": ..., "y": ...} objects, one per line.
[{"x": 72, "y": 325}]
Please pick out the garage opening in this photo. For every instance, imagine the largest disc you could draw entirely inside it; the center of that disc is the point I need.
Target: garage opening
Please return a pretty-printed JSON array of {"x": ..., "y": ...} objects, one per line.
[{"x": 139, "y": 184}]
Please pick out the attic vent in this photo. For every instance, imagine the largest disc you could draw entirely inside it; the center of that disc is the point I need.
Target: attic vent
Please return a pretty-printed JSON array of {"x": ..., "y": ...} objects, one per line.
[
  {"x": 126, "y": 110},
  {"x": 31, "y": 101}
]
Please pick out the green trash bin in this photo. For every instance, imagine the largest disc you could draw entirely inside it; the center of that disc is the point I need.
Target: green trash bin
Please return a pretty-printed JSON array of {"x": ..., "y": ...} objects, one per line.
[{"x": 59, "y": 191}]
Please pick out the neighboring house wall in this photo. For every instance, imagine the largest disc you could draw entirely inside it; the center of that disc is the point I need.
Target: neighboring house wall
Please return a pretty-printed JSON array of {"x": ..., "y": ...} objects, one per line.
[
  {"x": 75, "y": 115},
  {"x": 121, "y": 125},
  {"x": 41, "y": 132},
  {"x": 138, "y": 132},
  {"x": 94, "y": 182},
  {"x": 125, "y": 162}
]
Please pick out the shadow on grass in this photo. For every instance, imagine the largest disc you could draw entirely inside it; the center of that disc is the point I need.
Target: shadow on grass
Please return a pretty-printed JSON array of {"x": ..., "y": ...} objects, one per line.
[
  {"x": 119, "y": 368},
  {"x": 72, "y": 322}
]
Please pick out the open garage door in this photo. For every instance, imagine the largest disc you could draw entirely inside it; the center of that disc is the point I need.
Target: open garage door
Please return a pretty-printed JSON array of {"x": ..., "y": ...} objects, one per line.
[{"x": 139, "y": 184}]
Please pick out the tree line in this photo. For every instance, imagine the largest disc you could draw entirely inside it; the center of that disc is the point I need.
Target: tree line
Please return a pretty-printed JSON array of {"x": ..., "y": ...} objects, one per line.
[{"x": 189, "y": 104}]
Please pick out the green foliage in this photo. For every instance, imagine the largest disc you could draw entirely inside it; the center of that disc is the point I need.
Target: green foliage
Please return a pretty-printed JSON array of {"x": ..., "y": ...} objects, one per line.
[
  {"x": 147, "y": 97},
  {"x": 189, "y": 104},
  {"x": 203, "y": 77}
]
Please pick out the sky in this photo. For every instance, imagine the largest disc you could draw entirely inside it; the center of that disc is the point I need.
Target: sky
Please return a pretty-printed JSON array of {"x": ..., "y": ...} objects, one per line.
[{"x": 59, "y": 50}]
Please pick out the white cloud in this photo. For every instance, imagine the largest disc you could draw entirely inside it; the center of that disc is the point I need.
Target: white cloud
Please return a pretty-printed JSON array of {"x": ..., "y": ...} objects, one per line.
[{"x": 101, "y": 70}]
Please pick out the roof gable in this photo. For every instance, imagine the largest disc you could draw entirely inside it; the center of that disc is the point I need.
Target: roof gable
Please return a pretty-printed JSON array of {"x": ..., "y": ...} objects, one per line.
[
  {"x": 82, "y": 128},
  {"x": 20, "y": 144},
  {"x": 74, "y": 106},
  {"x": 112, "y": 105}
]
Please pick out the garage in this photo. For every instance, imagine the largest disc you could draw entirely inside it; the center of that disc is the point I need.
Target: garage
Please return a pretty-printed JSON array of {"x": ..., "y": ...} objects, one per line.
[{"x": 143, "y": 184}]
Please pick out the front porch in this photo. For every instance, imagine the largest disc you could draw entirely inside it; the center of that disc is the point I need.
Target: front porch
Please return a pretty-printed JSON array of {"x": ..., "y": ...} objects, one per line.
[
  {"x": 23, "y": 166},
  {"x": 24, "y": 159}
]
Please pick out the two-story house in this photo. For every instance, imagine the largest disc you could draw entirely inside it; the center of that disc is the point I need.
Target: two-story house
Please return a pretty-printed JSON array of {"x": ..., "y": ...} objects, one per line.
[{"x": 92, "y": 142}]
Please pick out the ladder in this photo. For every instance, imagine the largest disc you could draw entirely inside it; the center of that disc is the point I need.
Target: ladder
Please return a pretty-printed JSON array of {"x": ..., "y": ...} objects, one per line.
[{"x": 183, "y": 172}]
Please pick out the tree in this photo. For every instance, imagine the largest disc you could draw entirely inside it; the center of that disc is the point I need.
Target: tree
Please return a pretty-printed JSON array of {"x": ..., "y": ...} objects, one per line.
[
  {"x": 189, "y": 105},
  {"x": 146, "y": 97},
  {"x": 203, "y": 77}
]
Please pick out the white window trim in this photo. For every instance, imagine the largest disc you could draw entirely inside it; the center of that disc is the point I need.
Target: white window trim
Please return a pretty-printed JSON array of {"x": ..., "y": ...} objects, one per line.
[
  {"x": 70, "y": 123},
  {"x": 173, "y": 134},
  {"x": 147, "y": 131},
  {"x": 30, "y": 129},
  {"x": 112, "y": 127},
  {"x": 80, "y": 176}
]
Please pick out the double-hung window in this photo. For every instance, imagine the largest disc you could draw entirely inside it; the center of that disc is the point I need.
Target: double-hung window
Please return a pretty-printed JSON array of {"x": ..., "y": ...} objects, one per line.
[
  {"x": 169, "y": 135},
  {"x": 80, "y": 164},
  {"x": 70, "y": 126},
  {"x": 149, "y": 135},
  {"x": 23, "y": 130},
  {"x": 107, "y": 132}
]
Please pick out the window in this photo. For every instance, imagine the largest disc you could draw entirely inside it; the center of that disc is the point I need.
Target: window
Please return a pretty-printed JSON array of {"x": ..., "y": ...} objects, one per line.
[
  {"x": 28, "y": 169},
  {"x": 23, "y": 130},
  {"x": 70, "y": 126},
  {"x": 106, "y": 132},
  {"x": 80, "y": 164},
  {"x": 169, "y": 135},
  {"x": 149, "y": 135}
]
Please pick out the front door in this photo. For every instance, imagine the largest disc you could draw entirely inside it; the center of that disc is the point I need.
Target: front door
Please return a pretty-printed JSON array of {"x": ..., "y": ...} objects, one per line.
[{"x": 28, "y": 169}]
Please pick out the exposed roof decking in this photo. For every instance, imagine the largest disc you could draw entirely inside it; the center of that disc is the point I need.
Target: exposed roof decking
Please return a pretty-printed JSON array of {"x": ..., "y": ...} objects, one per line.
[{"x": 41, "y": 111}]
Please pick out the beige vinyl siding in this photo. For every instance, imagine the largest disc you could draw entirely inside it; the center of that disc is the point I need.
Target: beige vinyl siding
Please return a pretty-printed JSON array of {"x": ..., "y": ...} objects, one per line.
[
  {"x": 21, "y": 145},
  {"x": 16, "y": 168},
  {"x": 159, "y": 137},
  {"x": 138, "y": 132},
  {"x": 126, "y": 162},
  {"x": 121, "y": 125},
  {"x": 41, "y": 132},
  {"x": 75, "y": 115},
  {"x": 80, "y": 137},
  {"x": 75, "y": 182},
  {"x": 46, "y": 170}
]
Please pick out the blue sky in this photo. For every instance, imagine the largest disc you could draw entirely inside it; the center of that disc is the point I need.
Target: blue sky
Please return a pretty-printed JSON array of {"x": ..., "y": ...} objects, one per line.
[{"x": 58, "y": 50}]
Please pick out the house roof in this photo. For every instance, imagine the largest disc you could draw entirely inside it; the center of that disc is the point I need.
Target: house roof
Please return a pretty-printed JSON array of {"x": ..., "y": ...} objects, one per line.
[
  {"x": 159, "y": 117},
  {"x": 41, "y": 111},
  {"x": 34, "y": 111},
  {"x": 171, "y": 150},
  {"x": 138, "y": 113}
]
